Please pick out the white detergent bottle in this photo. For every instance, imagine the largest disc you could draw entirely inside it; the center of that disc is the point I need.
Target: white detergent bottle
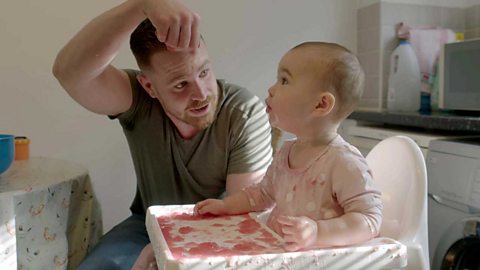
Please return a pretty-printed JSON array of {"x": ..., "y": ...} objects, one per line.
[{"x": 404, "y": 81}]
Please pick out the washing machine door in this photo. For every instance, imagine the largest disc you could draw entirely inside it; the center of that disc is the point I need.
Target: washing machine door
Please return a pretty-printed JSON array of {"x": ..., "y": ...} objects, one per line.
[{"x": 459, "y": 247}]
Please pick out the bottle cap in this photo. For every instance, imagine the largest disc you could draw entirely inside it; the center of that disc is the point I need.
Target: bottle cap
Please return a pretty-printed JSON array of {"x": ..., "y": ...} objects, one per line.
[
  {"x": 21, "y": 140},
  {"x": 459, "y": 36}
]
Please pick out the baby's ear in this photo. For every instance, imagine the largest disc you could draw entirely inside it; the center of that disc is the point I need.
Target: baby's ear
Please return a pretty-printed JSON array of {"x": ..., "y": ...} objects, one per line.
[
  {"x": 147, "y": 85},
  {"x": 325, "y": 104}
]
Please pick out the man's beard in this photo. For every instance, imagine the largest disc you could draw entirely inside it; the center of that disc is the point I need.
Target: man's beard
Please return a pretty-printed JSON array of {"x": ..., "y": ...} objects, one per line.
[{"x": 204, "y": 121}]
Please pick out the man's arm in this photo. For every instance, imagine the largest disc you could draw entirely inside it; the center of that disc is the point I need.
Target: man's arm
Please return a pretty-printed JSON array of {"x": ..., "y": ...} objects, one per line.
[{"x": 83, "y": 66}]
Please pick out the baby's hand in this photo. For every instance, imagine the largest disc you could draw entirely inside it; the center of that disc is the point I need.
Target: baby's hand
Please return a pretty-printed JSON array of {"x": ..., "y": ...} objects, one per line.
[
  {"x": 298, "y": 232},
  {"x": 210, "y": 206}
]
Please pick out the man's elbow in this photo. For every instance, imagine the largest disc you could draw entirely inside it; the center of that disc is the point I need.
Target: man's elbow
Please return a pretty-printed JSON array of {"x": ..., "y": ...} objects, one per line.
[
  {"x": 57, "y": 69},
  {"x": 62, "y": 70},
  {"x": 63, "y": 75}
]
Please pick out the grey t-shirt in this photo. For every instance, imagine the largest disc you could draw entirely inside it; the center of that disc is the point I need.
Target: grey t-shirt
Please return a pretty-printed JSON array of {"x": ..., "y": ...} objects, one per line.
[{"x": 171, "y": 170}]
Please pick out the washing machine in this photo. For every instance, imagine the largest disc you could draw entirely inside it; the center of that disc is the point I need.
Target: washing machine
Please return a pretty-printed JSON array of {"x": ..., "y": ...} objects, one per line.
[{"x": 453, "y": 168}]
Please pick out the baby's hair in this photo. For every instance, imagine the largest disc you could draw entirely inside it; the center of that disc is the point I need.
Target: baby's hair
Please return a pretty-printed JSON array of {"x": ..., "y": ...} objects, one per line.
[{"x": 342, "y": 74}]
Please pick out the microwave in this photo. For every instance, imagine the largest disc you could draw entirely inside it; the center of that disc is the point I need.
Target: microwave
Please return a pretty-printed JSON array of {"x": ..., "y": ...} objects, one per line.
[{"x": 459, "y": 76}]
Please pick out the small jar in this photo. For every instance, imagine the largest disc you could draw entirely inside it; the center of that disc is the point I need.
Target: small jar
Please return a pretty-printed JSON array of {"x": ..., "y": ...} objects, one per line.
[{"x": 22, "y": 148}]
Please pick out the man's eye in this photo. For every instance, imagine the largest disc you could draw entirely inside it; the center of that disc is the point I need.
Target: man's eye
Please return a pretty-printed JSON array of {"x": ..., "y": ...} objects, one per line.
[
  {"x": 204, "y": 73},
  {"x": 180, "y": 86}
]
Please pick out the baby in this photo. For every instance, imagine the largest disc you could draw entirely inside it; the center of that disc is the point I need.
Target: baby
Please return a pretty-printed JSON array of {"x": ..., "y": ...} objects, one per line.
[{"x": 320, "y": 186}]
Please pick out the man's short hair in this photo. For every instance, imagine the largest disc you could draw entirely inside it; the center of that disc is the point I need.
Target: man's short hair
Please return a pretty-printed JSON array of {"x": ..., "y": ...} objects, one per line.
[{"x": 144, "y": 43}]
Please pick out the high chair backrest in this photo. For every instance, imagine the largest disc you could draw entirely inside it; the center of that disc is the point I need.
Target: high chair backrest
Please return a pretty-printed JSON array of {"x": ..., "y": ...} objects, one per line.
[{"x": 399, "y": 171}]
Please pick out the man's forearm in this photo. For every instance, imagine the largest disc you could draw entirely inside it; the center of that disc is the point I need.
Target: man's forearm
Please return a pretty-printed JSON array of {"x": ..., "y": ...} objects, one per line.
[{"x": 92, "y": 49}]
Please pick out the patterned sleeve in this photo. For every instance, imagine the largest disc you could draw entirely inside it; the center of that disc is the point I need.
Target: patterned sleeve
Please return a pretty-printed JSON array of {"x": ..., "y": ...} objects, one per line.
[
  {"x": 261, "y": 196},
  {"x": 355, "y": 191}
]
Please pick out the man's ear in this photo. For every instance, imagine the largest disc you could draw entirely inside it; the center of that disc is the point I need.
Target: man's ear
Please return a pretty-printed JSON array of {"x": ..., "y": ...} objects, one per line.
[
  {"x": 325, "y": 104},
  {"x": 147, "y": 85}
]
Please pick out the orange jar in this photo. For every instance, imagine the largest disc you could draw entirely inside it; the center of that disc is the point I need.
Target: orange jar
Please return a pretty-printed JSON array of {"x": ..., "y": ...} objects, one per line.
[{"x": 22, "y": 148}]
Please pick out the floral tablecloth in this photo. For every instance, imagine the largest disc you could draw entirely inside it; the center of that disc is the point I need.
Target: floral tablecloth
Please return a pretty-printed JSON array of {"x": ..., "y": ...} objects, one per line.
[{"x": 49, "y": 216}]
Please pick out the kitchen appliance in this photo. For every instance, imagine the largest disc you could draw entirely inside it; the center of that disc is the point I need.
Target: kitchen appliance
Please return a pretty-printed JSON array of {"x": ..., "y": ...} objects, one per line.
[
  {"x": 453, "y": 167},
  {"x": 459, "y": 76}
]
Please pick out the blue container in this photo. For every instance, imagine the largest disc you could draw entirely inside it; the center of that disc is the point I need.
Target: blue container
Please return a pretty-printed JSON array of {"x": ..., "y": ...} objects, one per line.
[{"x": 7, "y": 151}]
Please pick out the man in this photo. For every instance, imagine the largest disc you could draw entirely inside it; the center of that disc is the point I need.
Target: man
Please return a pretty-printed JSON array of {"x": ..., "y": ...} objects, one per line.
[{"x": 190, "y": 135}]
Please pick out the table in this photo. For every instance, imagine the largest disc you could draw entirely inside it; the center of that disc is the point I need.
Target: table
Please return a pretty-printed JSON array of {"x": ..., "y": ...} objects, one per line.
[{"x": 49, "y": 216}]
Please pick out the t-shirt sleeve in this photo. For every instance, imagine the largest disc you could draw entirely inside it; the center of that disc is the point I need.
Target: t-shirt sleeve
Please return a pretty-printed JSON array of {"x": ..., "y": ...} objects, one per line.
[
  {"x": 127, "y": 118},
  {"x": 251, "y": 149}
]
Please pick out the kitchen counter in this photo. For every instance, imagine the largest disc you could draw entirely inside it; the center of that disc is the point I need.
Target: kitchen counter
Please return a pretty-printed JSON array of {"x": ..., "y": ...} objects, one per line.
[{"x": 433, "y": 121}]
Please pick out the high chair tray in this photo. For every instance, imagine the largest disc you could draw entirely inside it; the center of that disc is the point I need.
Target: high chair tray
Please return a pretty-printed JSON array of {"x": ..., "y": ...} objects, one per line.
[{"x": 182, "y": 240}]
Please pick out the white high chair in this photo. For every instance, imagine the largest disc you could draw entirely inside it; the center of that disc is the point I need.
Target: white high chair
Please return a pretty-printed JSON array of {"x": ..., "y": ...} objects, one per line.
[{"x": 399, "y": 171}]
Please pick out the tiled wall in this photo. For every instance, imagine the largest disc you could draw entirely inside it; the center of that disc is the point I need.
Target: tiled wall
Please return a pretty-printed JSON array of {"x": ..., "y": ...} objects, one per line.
[
  {"x": 376, "y": 24},
  {"x": 472, "y": 22}
]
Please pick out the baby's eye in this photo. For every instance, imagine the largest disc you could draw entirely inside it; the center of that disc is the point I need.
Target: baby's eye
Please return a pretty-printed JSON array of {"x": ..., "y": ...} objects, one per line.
[
  {"x": 284, "y": 81},
  {"x": 180, "y": 86},
  {"x": 204, "y": 73}
]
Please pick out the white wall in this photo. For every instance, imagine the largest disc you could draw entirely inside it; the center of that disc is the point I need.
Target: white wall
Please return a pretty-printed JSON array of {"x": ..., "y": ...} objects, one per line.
[
  {"x": 246, "y": 39},
  {"x": 442, "y": 3}
]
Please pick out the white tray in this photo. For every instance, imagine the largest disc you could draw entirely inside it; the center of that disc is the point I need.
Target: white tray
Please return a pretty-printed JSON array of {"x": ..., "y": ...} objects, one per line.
[{"x": 243, "y": 242}]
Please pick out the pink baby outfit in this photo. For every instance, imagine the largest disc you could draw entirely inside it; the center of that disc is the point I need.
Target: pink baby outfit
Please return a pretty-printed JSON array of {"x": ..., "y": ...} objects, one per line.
[{"x": 337, "y": 181}]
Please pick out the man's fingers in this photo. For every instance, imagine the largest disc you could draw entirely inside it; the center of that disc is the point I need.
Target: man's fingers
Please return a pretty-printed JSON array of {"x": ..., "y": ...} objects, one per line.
[
  {"x": 184, "y": 38},
  {"x": 161, "y": 28},
  {"x": 195, "y": 33},
  {"x": 180, "y": 34},
  {"x": 176, "y": 25},
  {"x": 173, "y": 34}
]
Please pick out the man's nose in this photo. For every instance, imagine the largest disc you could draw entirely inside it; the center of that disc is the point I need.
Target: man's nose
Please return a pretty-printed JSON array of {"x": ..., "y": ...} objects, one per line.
[{"x": 199, "y": 91}]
